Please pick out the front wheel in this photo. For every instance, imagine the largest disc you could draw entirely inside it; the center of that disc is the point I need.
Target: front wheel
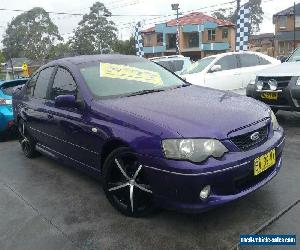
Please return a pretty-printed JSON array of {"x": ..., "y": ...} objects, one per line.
[
  {"x": 125, "y": 184},
  {"x": 26, "y": 142}
]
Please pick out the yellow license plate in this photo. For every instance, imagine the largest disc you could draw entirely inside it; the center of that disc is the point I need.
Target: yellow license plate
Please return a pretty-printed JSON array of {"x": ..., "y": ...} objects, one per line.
[
  {"x": 269, "y": 95},
  {"x": 264, "y": 162}
]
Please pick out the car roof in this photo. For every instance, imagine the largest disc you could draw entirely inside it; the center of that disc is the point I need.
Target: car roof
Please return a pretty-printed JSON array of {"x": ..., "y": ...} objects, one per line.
[
  {"x": 237, "y": 53},
  {"x": 94, "y": 58}
]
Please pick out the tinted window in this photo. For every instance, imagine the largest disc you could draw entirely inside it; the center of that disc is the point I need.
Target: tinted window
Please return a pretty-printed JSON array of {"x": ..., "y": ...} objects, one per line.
[
  {"x": 40, "y": 90},
  {"x": 227, "y": 62},
  {"x": 173, "y": 66},
  {"x": 248, "y": 60},
  {"x": 263, "y": 61},
  {"x": 31, "y": 85},
  {"x": 63, "y": 84}
]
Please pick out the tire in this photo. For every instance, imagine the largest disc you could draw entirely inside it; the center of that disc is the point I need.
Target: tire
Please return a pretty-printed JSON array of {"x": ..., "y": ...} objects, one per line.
[
  {"x": 26, "y": 142},
  {"x": 125, "y": 184}
]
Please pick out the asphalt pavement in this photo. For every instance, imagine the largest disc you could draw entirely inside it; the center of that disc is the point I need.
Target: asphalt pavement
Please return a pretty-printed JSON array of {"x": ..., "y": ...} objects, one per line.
[{"x": 45, "y": 205}]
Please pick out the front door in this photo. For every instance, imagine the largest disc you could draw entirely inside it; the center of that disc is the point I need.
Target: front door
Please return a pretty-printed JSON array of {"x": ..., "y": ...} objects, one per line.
[{"x": 71, "y": 128}]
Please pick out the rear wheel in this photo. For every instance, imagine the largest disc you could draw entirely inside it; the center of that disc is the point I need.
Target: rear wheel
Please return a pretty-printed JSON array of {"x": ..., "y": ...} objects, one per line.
[
  {"x": 26, "y": 142},
  {"x": 125, "y": 184}
]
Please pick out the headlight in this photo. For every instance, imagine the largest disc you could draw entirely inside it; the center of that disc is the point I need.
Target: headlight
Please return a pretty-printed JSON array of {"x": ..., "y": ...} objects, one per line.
[
  {"x": 298, "y": 81},
  {"x": 252, "y": 80},
  {"x": 259, "y": 85},
  {"x": 274, "y": 121},
  {"x": 195, "y": 150}
]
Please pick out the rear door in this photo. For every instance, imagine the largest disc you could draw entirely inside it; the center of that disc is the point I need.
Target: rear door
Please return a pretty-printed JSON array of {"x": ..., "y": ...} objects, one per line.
[
  {"x": 228, "y": 78},
  {"x": 34, "y": 110},
  {"x": 70, "y": 127}
]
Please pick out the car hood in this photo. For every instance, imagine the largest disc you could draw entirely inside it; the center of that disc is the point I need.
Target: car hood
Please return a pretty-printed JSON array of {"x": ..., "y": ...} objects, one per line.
[
  {"x": 284, "y": 69},
  {"x": 193, "y": 111}
]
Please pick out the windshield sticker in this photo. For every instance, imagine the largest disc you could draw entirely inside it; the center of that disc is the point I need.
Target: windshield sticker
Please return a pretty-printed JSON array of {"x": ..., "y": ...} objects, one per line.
[{"x": 123, "y": 72}]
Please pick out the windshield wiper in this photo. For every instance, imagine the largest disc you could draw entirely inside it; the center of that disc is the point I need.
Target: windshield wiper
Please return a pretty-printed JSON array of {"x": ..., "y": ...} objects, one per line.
[{"x": 146, "y": 91}]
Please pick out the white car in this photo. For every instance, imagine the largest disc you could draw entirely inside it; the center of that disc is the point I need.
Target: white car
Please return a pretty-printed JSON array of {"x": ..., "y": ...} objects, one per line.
[{"x": 228, "y": 71}]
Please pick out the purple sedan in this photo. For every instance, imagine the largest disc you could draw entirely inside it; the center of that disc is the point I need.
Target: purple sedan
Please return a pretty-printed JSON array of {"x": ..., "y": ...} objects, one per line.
[{"x": 155, "y": 140}]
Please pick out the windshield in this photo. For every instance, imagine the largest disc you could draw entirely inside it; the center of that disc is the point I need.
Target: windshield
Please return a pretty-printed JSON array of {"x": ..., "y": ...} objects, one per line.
[
  {"x": 295, "y": 57},
  {"x": 199, "y": 65},
  {"x": 112, "y": 79}
]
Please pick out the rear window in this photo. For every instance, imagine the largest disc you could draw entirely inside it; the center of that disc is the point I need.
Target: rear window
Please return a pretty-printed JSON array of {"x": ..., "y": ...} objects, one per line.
[
  {"x": 249, "y": 60},
  {"x": 174, "y": 65}
]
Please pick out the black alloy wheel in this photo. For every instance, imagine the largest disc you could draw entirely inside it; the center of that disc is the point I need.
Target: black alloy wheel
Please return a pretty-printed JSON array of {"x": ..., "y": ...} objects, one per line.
[
  {"x": 126, "y": 185},
  {"x": 27, "y": 144}
]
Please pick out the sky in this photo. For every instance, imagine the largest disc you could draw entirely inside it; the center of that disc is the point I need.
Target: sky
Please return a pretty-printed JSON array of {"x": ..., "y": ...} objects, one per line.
[{"x": 135, "y": 10}]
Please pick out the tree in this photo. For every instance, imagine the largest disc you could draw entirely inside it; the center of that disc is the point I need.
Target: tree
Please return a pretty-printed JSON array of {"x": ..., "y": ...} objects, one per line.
[
  {"x": 126, "y": 47},
  {"x": 60, "y": 50},
  {"x": 256, "y": 15},
  {"x": 94, "y": 34},
  {"x": 2, "y": 57},
  {"x": 30, "y": 34}
]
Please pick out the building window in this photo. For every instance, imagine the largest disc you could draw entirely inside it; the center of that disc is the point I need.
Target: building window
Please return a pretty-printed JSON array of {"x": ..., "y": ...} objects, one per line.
[
  {"x": 193, "y": 40},
  {"x": 281, "y": 47},
  {"x": 297, "y": 21},
  {"x": 282, "y": 22},
  {"x": 211, "y": 35},
  {"x": 159, "y": 39},
  {"x": 224, "y": 33},
  {"x": 172, "y": 41},
  {"x": 147, "y": 40}
]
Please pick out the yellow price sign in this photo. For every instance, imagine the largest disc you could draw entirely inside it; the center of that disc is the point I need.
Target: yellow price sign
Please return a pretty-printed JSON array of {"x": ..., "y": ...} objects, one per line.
[
  {"x": 25, "y": 70},
  {"x": 129, "y": 73}
]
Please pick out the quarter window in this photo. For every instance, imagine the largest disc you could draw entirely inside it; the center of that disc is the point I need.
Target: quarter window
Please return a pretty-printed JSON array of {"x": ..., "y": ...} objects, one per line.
[
  {"x": 211, "y": 35},
  {"x": 227, "y": 62},
  {"x": 40, "y": 90},
  {"x": 31, "y": 85},
  {"x": 63, "y": 84}
]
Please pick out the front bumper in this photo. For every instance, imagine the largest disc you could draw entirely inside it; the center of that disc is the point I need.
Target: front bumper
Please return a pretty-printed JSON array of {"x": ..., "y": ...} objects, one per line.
[
  {"x": 230, "y": 180},
  {"x": 288, "y": 97},
  {"x": 6, "y": 117}
]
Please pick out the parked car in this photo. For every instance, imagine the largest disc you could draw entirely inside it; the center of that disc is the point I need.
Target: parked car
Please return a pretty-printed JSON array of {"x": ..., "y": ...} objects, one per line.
[
  {"x": 279, "y": 86},
  {"x": 154, "y": 139},
  {"x": 6, "y": 114},
  {"x": 175, "y": 63},
  {"x": 228, "y": 71}
]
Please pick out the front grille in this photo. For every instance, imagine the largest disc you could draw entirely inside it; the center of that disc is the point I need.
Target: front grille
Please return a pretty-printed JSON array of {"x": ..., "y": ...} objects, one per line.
[
  {"x": 283, "y": 81},
  {"x": 244, "y": 142}
]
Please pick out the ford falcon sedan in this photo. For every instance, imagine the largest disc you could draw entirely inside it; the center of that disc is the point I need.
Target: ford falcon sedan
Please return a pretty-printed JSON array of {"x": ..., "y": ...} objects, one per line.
[{"x": 153, "y": 139}]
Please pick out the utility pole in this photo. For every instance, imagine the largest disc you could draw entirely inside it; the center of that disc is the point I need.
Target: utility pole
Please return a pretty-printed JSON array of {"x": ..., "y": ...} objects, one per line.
[
  {"x": 175, "y": 6},
  {"x": 294, "y": 25}
]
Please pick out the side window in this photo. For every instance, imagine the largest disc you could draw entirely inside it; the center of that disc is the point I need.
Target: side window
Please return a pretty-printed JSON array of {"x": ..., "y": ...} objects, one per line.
[
  {"x": 41, "y": 86},
  {"x": 63, "y": 84},
  {"x": 31, "y": 85},
  {"x": 263, "y": 61},
  {"x": 248, "y": 60},
  {"x": 227, "y": 62}
]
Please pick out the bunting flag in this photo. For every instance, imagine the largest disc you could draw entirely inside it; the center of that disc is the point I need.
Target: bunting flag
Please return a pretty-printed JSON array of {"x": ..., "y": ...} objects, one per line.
[
  {"x": 242, "y": 28},
  {"x": 138, "y": 40}
]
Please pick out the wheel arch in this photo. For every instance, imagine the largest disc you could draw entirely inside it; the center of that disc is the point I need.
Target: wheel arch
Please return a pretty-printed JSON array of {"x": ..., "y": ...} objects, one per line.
[{"x": 110, "y": 146}]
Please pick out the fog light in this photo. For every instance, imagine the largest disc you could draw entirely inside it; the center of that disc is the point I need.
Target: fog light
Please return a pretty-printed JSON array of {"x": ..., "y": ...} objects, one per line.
[{"x": 205, "y": 192}]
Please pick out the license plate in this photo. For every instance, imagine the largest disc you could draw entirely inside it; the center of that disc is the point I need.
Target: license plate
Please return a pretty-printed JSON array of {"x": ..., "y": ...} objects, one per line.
[
  {"x": 269, "y": 95},
  {"x": 264, "y": 162}
]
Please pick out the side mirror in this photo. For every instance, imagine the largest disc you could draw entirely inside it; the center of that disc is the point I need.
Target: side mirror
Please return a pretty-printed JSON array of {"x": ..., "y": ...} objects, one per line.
[
  {"x": 216, "y": 68},
  {"x": 283, "y": 59},
  {"x": 67, "y": 101}
]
